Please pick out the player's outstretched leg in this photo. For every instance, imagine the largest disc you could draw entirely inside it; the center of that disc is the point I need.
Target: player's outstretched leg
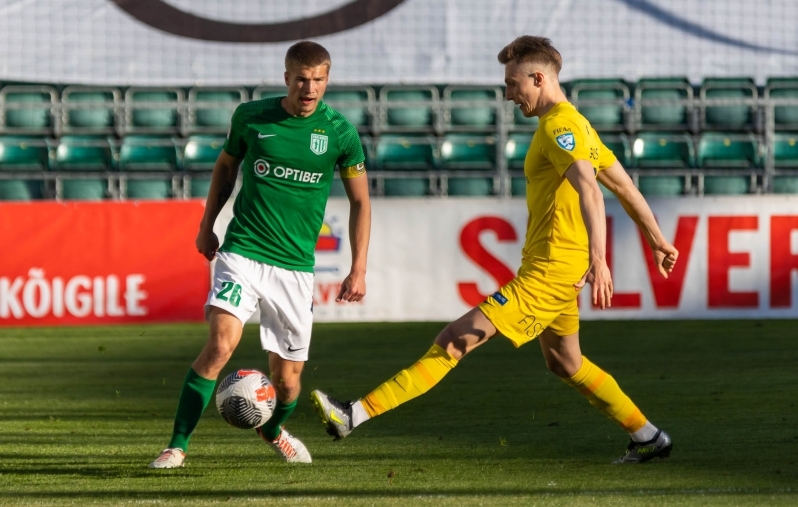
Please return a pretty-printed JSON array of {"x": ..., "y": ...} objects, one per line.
[
  {"x": 285, "y": 376},
  {"x": 456, "y": 340},
  {"x": 199, "y": 384},
  {"x": 564, "y": 358}
]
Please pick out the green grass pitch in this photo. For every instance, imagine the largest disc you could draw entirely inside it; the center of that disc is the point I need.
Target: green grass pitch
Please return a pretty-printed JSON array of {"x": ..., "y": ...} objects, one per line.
[{"x": 83, "y": 410}]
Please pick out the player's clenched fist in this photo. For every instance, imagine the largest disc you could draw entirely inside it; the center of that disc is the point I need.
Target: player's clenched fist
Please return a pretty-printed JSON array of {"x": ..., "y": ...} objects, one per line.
[
  {"x": 353, "y": 289},
  {"x": 207, "y": 243},
  {"x": 665, "y": 256}
]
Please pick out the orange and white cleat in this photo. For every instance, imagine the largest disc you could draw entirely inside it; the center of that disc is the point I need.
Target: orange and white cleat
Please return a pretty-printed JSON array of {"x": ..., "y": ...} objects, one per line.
[
  {"x": 288, "y": 447},
  {"x": 169, "y": 458}
]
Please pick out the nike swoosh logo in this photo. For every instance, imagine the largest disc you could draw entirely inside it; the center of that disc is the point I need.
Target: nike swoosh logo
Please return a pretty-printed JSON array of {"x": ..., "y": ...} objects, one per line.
[
  {"x": 294, "y": 350},
  {"x": 261, "y": 136},
  {"x": 335, "y": 418}
]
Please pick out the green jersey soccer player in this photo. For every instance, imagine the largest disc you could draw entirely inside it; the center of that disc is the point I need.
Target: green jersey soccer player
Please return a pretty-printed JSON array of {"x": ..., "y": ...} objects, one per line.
[{"x": 287, "y": 148}]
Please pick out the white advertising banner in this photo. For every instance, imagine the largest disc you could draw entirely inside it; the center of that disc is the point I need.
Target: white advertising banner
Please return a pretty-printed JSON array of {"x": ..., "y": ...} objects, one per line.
[
  {"x": 218, "y": 42},
  {"x": 434, "y": 259}
]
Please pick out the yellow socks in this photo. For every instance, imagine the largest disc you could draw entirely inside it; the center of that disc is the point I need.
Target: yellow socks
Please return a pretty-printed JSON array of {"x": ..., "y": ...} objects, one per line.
[
  {"x": 602, "y": 391},
  {"x": 410, "y": 382}
]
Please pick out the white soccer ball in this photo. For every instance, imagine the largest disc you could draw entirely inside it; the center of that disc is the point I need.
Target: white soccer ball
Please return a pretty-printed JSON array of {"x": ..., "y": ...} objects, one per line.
[{"x": 246, "y": 399}]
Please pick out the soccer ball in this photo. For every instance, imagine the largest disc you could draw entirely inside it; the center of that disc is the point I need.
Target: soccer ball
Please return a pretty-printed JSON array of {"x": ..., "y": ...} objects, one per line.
[{"x": 246, "y": 399}]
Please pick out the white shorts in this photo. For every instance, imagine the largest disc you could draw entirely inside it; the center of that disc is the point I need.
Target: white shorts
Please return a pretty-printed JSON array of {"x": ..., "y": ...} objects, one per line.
[{"x": 285, "y": 298}]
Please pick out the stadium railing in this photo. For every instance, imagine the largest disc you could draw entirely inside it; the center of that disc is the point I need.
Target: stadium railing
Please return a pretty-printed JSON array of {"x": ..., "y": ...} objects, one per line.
[{"x": 419, "y": 140}]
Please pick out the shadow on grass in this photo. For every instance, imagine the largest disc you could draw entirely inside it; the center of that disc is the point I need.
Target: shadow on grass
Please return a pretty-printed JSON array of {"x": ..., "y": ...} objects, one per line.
[{"x": 404, "y": 493}]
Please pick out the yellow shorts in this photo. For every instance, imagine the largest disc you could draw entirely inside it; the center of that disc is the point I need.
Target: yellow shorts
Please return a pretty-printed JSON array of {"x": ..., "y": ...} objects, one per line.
[{"x": 532, "y": 302}]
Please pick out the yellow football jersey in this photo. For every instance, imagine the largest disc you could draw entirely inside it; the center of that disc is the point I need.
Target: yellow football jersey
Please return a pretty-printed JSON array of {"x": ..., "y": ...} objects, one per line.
[{"x": 556, "y": 233}]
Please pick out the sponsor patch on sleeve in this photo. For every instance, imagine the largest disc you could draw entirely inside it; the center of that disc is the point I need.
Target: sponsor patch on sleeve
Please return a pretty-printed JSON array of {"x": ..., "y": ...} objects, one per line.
[
  {"x": 566, "y": 141},
  {"x": 499, "y": 298}
]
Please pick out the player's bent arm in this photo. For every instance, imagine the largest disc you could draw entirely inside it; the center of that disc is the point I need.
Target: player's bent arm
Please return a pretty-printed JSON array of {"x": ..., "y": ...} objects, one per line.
[
  {"x": 357, "y": 190},
  {"x": 619, "y": 183},
  {"x": 582, "y": 178},
  {"x": 223, "y": 180}
]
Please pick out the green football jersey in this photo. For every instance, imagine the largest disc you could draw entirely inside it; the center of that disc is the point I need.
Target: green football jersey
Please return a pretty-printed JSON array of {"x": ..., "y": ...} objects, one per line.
[{"x": 288, "y": 166}]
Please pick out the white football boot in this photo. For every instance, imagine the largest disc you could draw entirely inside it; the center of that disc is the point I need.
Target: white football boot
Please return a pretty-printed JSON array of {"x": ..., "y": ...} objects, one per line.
[
  {"x": 288, "y": 447},
  {"x": 169, "y": 458}
]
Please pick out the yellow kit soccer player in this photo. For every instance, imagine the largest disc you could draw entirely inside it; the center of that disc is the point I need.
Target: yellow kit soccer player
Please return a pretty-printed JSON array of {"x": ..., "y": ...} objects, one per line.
[{"x": 564, "y": 250}]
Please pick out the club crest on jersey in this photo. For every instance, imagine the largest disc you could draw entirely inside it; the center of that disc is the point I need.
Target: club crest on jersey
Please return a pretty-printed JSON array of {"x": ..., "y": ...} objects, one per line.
[
  {"x": 566, "y": 141},
  {"x": 318, "y": 144}
]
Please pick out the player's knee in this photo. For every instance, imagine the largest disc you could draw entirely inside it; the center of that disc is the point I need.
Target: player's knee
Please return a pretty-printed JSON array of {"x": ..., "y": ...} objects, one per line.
[
  {"x": 451, "y": 341},
  {"x": 218, "y": 352},
  {"x": 560, "y": 368},
  {"x": 287, "y": 387}
]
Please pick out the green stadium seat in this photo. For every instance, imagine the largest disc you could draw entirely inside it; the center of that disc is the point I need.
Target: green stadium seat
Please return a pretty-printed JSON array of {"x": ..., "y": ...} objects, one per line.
[
  {"x": 409, "y": 116},
  {"x": 27, "y": 108},
  {"x": 661, "y": 186},
  {"x": 150, "y": 154},
  {"x": 472, "y": 115},
  {"x": 619, "y": 145},
  {"x": 150, "y": 188},
  {"x": 515, "y": 150},
  {"x": 785, "y": 184},
  {"x": 727, "y": 151},
  {"x": 19, "y": 153},
  {"x": 726, "y": 185},
  {"x": 20, "y": 190},
  {"x": 152, "y": 110},
  {"x": 518, "y": 186},
  {"x": 718, "y": 150},
  {"x": 728, "y": 117},
  {"x": 83, "y": 154},
  {"x": 147, "y": 153},
  {"x": 663, "y": 116},
  {"x": 611, "y": 91},
  {"x": 201, "y": 152},
  {"x": 406, "y": 187},
  {"x": 785, "y": 150},
  {"x": 22, "y": 153},
  {"x": 783, "y": 88},
  {"x": 212, "y": 109},
  {"x": 397, "y": 152},
  {"x": 200, "y": 185},
  {"x": 353, "y": 104},
  {"x": 84, "y": 189},
  {"x": 663, "y": 150},
  {"x": 468, "y": 151},
  {"x": 470, "y": 186},
  {"x": 89, "y": 110}
]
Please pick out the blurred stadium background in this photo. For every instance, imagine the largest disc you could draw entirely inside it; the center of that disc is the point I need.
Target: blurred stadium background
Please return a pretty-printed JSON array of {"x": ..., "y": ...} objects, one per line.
[{"x": 112, "y": 113}]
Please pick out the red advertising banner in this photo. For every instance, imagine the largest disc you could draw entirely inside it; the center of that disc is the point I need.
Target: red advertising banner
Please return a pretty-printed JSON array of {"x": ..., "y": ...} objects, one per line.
[{"x": 108, "y": 262}]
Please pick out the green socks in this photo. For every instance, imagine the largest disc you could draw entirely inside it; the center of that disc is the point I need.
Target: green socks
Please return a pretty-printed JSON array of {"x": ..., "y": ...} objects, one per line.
[
  {"x": 282, "y": 411},
  {"x": 194, "y": 397}
]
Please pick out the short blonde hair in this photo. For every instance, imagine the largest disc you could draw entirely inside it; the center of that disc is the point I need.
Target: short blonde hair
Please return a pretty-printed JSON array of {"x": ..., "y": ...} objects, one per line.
[
  {"x": 307, "y": 54},
  {"x": 528, "y": 48}
]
